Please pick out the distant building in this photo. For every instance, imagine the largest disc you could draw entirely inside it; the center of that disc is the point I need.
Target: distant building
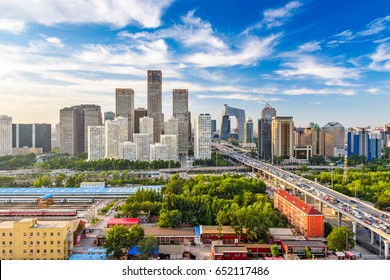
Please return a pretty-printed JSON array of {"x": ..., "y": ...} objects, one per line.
[
  {"x": 5, "y": 135},
  {"x": 143, "y": 149},
  {"x": 213, "y": 126},
  {"x": 248, "y": 131},
  {"x": 227, "y": 112},
  {"x": 146, "y": 127},
  {"x": 364, "y": 142},
  {"x": 308, "y": 221},
  {"x": 159, "y": 151},
  {"x": 265, "y": 132},
  {"x": 154, "y": 101},
  {"x": 282, "y": 137},
  {"x": 139, "y": 114},
  {"x": 332, "y": 139},
  {"x": 96, "y": 143},
  {"x": 171, "y": 126},
  {"x": 32, "y": 136},
  {"x": 92, "y": 185},
  {"x": 181, "y": 113},
  {"x": 116, "y": 132},
  {"x": 92, "y": 117},
  {"x": 171, "y": 142},
  {"x": 128, "y": 150},
  {"x": 230, "y": 252},
  {"x": 124, "y": 104},
  {"x": 202, "y": 137},
  {"x": 26, "y": 151}
]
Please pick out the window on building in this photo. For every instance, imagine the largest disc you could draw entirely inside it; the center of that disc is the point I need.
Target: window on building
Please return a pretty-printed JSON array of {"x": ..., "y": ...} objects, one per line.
[
  {"x": 31, "y": 243},
  {"x": 51, "y": 242},
  {"x": 3, "y": 251},
  {"x": 31, "y": 234},
  {"x": 10, "y": 243},
  {"x": 44, "y": 234},
  {"x": 31, "y": 252},
  {"x": 25, "y": 242},
  {"x": 10, "y": 234},
  {"x": 59, "y": 251},
  {"x": 38, "y": 233},
  {"x": 237, "y": 255},
  {"x": 58, "y": 233},
  {"x": 38, "y": 243},
  {"x": 44, "y": 242},
  {"x": 51, "y": 233},
  {"x": 24, "y": 234},
  {"x": 3, "y": 243},
  {"x": 3, "y": 234},
  {"x": 24, "y": 252},
  {"x": 58, "y": 243},
  {"x": 10, "y": 251},
  {"x": 38, "y": 251},
  {"x": 44, "y": 251},
  {"x": 51, "y": 251}
]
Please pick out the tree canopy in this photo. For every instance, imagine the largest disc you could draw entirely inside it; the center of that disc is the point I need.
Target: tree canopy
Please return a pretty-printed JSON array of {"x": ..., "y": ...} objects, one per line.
[{"x": 341, "y": 239}]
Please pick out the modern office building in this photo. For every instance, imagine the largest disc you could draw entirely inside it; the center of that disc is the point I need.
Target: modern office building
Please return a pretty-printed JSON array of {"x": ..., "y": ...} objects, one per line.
[
  {"x": 180, "y": 111},
  {"x": 124, "y": 104},
  {"x": 109, "y": 116},
  {"x": 265, "y": 132},
  {"x": 155, "y": 102},
  {"x": 146, "y": 127},
  {"x": 282, "y": 137},
  {"x": 202, "y": 136},
  {"x": 159, "y": 151},
  {"x": 171, "y": 142},
  {"x": 30, "y": 239},
  {"x": 139, "y": 114},
  {"x": 227, "y": 112},
  {"x": 32, "y": 136},
  {"x": 248, "y": 130},
  {"x": 363, "y": 141},
  {"x": 96, "y": 143},
  {"x": 332, "y": 140},
  {"x": 171, "y": 126},
  {"x": 92, "y": 117},
  {"x": 116, "y": 132},
  {"x": 308, "y": 221},
  {"x": 143, "y": 149},
  {"x": 5, "y": 135},
  {"x": 128, "y": 150},
  {"x": 213, "y": 126}
]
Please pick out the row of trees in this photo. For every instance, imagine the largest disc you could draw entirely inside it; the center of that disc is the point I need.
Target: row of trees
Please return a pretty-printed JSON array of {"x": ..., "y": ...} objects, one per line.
[
  {"x": 215, "y": 160},
  {"x": 19, "y": 161}
]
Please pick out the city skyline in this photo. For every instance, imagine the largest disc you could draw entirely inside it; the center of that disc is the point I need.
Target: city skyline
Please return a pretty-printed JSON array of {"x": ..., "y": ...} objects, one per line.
[{"x": 317, "y": 62}]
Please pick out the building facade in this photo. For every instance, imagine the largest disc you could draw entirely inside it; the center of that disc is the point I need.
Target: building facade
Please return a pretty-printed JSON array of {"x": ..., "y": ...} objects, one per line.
[
  {"x": 171, "y": 142},
  {"x": 32, "y": 136},
  {"x": 282, "y": 137},
  {"x": 128, "y": 150},
  {"x": 139, "y": 114},
  {"x": 227, "y": 112},
  {"x": 92, "y": 117},
  {"x": 154, "y": 102},
  {"x": 146, "y": 127},
  {"x": 202, "y": 136},
  {"x": 143, "y": 149},
  {"x": 5, "y": 135},
  {"x": 96, "y": 143},
  {"x": 116, "y": 132},
  {"x": 265, "y": 132},
  {"x": 30, "y": 239},
  {"x": 124, "y": 104},
  {"x": 308, "y": 221},
  {"x": 248, "y": 131},
  {"x": 181, "y": 113},
  {"x": 159, "y": 151}
]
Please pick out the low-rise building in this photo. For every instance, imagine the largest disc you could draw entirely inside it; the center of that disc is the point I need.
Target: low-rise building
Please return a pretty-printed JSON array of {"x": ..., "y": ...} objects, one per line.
[
  {"x": 182, "y": 235},
  {"x": 127, "y": 222},
  {"x": 92, "y": 185},
  {"x": 230, "y": 253},
  {"x": 225, "y": 233},
  {"x": 298, "y": 247}
]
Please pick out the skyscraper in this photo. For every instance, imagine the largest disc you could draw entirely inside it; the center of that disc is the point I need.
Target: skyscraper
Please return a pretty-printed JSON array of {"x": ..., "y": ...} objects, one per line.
[
  {"x": 282, "y": 137},
  {"x": 5, "y": 135},
  {"x": 96, "y": 143},
  {"x": 248, "y": 130},
  {"x": 124, "y": 104},
  {"x": 139, "y": 114},
  {"x": 202, "y": 136},
  {"x": 143, "y": 149},
  {"x": 92, "y": 117},
  {"x": 171, "y": 127},
  {"x": 332, "y": 139},
  {"x": 32, "y": 136},
  {"x": 180, "y": 111},
  {"x": 265, "y": 132},
  {"x": 227, "y": 112},
  {"x": 155, "y": 102},
  {"x": 171, "y": 142},
  {"x": 213, "y": 126},
  {"x": 159, "y": 151},
  {"x": 116, "y": 132},
  {"x": 72, "y": 130},
  {"x": 128, "y": 150},
  {"x": 146, "y": 127}
]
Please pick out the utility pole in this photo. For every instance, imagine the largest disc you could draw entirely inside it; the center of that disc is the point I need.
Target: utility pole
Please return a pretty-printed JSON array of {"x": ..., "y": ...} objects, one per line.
[{"x": 345, "y": 174}]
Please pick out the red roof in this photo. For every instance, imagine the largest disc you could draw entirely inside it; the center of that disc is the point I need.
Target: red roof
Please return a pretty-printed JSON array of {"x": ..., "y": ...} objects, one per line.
[
  {"x": 123, "y": 221},
  {"x": 306, "y": 208}
]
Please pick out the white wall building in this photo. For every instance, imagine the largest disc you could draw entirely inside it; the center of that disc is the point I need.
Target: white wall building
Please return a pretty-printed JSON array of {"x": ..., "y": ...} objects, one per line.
[
  {"x": 171, "y": 126},
  {"x": 96, "y": 143},
  {"x": 158, "y": 151},
  {"x": 116, "y": 132},
  {"x": 146, "y": 127},
  {"x": 171, "y": 142},
  {"x": 142, "y": 143},
  {"x": 202, "y": 136},
  {"x": 128, "y": 150},
  {"x": 5, "y": 135}
]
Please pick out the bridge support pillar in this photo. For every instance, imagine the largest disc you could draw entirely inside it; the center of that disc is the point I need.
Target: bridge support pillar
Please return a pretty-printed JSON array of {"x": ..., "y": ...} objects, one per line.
[
  {"x": 372, "y": 238},
  {"x": 320, "y": 206},
  {"x": 354, "y": 230},
  {"x": 387, "y": 249},
  {"x": 305, "y": 198},
  {"x": 339, "y": 216},
  {"x": 294, "y": 191}
]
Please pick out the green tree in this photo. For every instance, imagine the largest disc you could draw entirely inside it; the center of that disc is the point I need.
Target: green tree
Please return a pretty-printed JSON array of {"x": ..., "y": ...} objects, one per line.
[
  {"x": 327, "y": 228},
  {"x": 175, "y": 217},
  {"x": 274, "y": 251},
  {"x": 58, "y": 181},
  {"x": 340, "y": 239},
  {"x": 308, "y": 252},
  {"x": 147, "y": 246},
  {"x": 43, "y": 181},
  {"x": 136, "y": 235},
  {"x": 117, "y": 241}
]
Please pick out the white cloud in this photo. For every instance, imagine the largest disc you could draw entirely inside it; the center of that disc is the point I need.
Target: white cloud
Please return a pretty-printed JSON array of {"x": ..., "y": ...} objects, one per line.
[
  {"x": 307, "y": 91},
  {"x": 309, "y": 47},
  {"x": 276, "y": 17},
  {"x": 373, "y": 90},
  {"x": 12, "y": 26},
  {"x": 376, "y": 26},
  {"x": 381, "y": 58},
  {"x": 237, "y": 96},
  {"x": 117, "y": 13},
  {"x": 251, "y": 50},
  {"x": 55, "y": 41}
]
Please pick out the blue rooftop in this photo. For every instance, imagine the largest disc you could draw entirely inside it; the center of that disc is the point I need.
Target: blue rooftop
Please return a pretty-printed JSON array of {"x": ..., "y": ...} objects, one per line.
[
  {"x": 47, "y": 196},
  {"x": 197, "y": 230},
  {"x": 134, "y": 251}
]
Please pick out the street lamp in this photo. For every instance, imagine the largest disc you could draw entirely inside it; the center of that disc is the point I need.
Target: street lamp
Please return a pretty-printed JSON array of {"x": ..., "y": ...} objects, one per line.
[{"x": 331, "y": 165}]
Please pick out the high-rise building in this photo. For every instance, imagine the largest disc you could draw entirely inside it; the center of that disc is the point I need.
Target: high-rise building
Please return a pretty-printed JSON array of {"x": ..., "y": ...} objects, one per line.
[
  {"x": 171, "y": 126},
  {"x": 30, "y": 239},
  {"x": 159, "y": 151},
  {"x": 146, "y": 127},
  {"x": 155, "y": 102},
  {"x": 5, "y": 135},
  {"x": 92, "y": 117},
  {"x": 116, "y": 132},
  {"x": 332, "y": 139},
  {"x": 309, "y": 136},
  {"x": 32, "y": 136},
  {"x": 128, "y": 150},
  {"x": 109, "y": 116},
  {"x": 282, "y": 137},
  {"x": 139, "y": 114},
  {"x": 171, "y": 142},
  {"x": 227, "y": 112},
  {"x": 213, "y": 126},
  {"x": 124, "y": 104},
  {"x": 96, "y": 143},
  {"x": 55, "y": 136},
  {"x": 202, "y": 136},
  {"x": 265, "y": 132},
  {"x": 248, "y": 130},
  {"x": 363, "y": 141},
  {"x": 143, "y": 149},
  {"x": 180, "y": 111}
]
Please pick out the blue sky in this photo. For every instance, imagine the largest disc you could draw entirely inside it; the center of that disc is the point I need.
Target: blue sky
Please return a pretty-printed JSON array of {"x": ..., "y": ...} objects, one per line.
[{"x": 317, "y": 61}]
